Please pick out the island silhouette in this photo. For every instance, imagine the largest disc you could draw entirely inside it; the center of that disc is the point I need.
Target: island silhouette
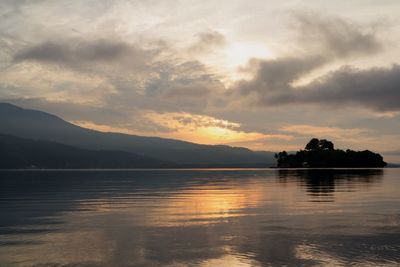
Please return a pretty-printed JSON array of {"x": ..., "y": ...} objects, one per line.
[{"x": 322, "y": 154}]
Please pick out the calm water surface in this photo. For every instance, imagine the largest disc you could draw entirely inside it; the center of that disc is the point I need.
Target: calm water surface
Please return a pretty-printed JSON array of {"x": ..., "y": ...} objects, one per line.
[{"x": 200, "y": 218}]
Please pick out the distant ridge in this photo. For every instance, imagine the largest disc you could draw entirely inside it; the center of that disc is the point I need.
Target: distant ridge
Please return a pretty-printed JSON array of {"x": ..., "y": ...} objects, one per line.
[
  {"x": 393, "y": 165},
  {"x": 21, "y": 153},
  {"x": 38, "y": 125}
]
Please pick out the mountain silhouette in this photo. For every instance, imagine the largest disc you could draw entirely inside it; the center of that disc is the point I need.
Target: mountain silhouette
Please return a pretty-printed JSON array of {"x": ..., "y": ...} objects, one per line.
[
  {"x": 38, "y": 125},
  {"x": 21, "y": 153}
]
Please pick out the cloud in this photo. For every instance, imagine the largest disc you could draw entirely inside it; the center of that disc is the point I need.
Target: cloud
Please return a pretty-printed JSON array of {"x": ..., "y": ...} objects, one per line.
[
  {"x": 122, "y": 74},
  {"x": 334, "y": 36},
  {"x": 393, "y": 153},
  {"x": 168, "y": 86},
  {"x": 207, "y": 41},
  {"x": 277, "y": 74},
  {"x": 80, "y": 53},
  {"x": 189, "y": 79},
  {"x": 140, "y": 126},
  {"x": 207, "y": 129},
  {"x": 325, "y": 39},
  {"x": 358, "y": 138},
  {"x": 392, "y": 156},
  {"x": 322, "y": 131},
  {"x": 198, "y": 121},
  {"x": 138, "y": 75},
  {"x": 127, "y": 119},
  {"x": 376, "y": 88}
]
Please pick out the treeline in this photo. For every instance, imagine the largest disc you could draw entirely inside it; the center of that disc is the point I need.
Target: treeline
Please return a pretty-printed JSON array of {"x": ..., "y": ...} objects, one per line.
[{"x": 322, "y": 154}]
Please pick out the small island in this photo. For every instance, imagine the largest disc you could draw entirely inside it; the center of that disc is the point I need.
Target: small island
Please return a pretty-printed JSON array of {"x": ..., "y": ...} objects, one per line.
[{"x": 322, "y": 154}]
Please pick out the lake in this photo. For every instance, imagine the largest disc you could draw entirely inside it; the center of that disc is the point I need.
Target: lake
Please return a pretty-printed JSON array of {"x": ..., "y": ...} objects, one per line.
[{"x": 248, "y": 217}]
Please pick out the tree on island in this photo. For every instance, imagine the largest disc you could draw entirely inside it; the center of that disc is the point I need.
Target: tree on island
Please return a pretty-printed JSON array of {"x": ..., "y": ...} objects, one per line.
[
  {"x": 322, "y": 154},
  {"x": 316, "y": 144}
]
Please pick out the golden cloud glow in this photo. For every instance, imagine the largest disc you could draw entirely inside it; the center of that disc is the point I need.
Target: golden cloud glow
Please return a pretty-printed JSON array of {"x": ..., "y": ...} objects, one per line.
[
  {"x": 194, "y": 128},
  {"x": 205, "y": 129}
]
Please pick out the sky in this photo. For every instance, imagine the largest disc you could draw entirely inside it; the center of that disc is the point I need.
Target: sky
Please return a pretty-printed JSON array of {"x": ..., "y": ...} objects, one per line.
[{"x": 267, "y": 75}]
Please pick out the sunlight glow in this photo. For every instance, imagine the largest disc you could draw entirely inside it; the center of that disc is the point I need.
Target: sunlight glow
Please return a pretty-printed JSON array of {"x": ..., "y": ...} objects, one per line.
[
  {"x": 239, "y": 53},
  {"x": 193, "y": 128},
  {"x": 219, "y": 135}
]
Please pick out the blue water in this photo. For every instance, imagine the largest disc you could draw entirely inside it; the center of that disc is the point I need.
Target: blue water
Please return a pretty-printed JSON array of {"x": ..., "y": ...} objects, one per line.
[{"x": 200, "y": 218}]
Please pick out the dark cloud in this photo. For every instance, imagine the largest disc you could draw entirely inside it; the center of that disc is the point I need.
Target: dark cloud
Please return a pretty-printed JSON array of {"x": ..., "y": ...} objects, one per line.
[
  {"x": 376, "y": 88},
  {"x": 78, "y": 53},
  {"x": 336, "y": 37},
  {"x": 277, "y": 75},
  {"x": 189, "y": 79},
  {"x": 324, "y": 40},
  {"x": 206, "y": 41}
]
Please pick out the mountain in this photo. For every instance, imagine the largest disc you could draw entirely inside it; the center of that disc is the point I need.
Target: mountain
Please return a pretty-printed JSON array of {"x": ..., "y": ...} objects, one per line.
[
  {"x": 17, "y": 153},
  {"x": 38, "y": 125}
]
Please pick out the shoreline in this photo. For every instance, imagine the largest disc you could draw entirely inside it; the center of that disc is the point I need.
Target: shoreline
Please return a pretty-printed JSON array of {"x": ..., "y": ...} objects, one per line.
[{"x": 196, "y": 169}]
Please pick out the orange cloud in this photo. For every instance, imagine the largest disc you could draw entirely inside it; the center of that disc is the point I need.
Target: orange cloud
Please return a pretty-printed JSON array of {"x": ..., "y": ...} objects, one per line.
[
  {"x": 194, "y": 128},
  {"x": 206, "y": 129}
]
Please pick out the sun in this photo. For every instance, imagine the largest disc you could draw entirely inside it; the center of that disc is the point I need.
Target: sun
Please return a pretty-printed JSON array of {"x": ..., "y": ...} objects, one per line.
[{"x": 239, "y": 53}]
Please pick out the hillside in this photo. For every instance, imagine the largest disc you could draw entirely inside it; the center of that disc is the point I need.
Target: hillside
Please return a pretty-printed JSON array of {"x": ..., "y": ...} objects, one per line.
[
  {"x": 17, "y": 153},
  {"x": 38, "y": 125}
]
